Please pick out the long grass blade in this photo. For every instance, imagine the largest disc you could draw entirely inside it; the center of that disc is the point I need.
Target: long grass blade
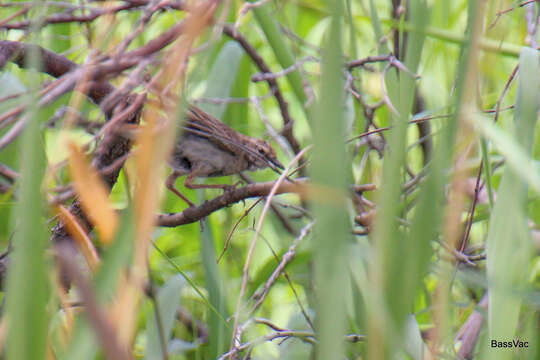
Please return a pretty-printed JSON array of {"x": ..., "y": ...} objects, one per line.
[{"x": 329, "y": 173}]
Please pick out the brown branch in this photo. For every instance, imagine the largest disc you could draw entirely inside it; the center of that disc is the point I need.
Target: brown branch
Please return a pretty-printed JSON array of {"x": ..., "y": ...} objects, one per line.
[
  {"x": 368, "y": 60},
  {"x": 112, "y": 147},
  {"x": 281, "y": 217},
  {"x": 465, "y": 239},
  {"x": 259, "y": 296},
  {"x": 502, "y": 12},
  {"x": 110, "y": 68},
  {"x": 8, "y": 173},
  {"x": 18, "y": 13},
  {"x": 50, "y": 63},
  {"x": 93, "y": 14},
  {"x": 58, "y": 65},
  {"x": 297, "y": 65},
  {"x": 196, "y": 213},
  {"x": 272, "y": 82}
]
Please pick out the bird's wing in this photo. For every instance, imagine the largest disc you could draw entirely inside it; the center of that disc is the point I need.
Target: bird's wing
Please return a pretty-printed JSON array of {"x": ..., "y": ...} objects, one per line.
[{"x": 202, "y": 124}]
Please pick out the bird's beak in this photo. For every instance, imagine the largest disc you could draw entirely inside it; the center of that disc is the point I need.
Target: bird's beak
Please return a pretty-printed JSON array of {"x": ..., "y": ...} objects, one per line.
[{"x": 277, "y": 164}]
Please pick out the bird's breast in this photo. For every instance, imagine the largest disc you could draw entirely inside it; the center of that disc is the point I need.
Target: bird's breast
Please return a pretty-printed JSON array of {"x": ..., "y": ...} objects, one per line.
[{"x": 191, "y": 151}]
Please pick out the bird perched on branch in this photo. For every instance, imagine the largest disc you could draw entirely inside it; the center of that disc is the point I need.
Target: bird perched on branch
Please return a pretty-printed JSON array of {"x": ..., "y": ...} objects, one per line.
[{"x": 208, "y": 148}]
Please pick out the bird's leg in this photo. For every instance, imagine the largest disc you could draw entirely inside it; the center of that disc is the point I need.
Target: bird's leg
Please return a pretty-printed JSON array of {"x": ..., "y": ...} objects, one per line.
[
  {"x": 199, "y": 171},
  {"x": 169, "y": 183}
]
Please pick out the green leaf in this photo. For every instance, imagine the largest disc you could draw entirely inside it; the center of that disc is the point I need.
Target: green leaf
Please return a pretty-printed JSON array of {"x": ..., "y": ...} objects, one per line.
[
  {"x": 28, "y": 279},
  {"x": 284, "y": 55},
  {"x": 400, "y": 264},
  {"x": 168, "y": 303},
  {"x": 220, "y": 83},
  {"x": 222, "y": 77},
  {"x": 329, "y": 170},
  {"x": 116, "y": 257},
  {"x": 508, "y": 242}
]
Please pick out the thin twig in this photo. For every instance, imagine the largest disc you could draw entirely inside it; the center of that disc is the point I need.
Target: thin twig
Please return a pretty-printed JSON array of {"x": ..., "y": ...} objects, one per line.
[
  {"x": 286, "y": 259},
  {"x": 273, "y": 191}
]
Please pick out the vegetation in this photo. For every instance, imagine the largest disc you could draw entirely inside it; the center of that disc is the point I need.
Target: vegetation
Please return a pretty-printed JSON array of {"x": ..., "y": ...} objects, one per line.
[{"x": 406, "y": 223}]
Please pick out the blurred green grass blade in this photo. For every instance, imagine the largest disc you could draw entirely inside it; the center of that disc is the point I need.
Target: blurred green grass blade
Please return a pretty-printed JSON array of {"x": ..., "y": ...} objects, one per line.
[
  {"x": 10, "y": 85},
  {"x": 237, "y": 114},
  {"x": 428, "y": 216},
  {"x": 526, "y": 111},
  {"x": 508, "y": 229},
  {"x": 414, "y": 344},
  {"x": 27, "y": 283},
  {"x": 531, "y": 334},
  {"x": 221, "y": 80},
  {"x": 487, "y": 171},
  {"x": 397, "y": 266},
  {"x": 434, "y": 32},
  {"x": 486, "y": 44},
  {"x": 269, "y": 25},
  {"x": 353, "y": 52},
  {"x": 445, "y": 150},
  {"x": 168, "y": 302},
  {"x": 116, "y": 257},
  {"x": 450, "y": 36},
  {"x": 515, "y": 157},
  {"x": 330, "y": 171},
  {"x": 190, "y": 282},
  {"x": 391, "y": 79},
  {"x": 382, "y": 46},
  {"x": 222, "y": 77},
  {"x": 83, "y": 343},
  {"x": 358, "y": 252},
  {"x": 58, "y": 37},
  {"x": 219, "y": 333}
]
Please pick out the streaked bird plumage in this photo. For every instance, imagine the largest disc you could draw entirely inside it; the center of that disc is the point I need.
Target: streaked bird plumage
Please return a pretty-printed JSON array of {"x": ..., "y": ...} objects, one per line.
[{"x": 207, "y": 148}]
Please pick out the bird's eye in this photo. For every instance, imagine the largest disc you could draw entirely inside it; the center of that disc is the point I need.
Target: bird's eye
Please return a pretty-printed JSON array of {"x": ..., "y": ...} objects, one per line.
[{"x": 261, "y": 151}]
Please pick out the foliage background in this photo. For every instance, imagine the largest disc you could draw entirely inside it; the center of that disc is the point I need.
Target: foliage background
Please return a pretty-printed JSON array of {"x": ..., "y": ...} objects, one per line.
[{"x": 437, "y": 273}]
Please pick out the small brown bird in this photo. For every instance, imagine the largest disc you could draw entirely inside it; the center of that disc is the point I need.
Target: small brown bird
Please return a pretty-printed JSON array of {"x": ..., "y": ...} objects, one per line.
[{"x": 209, "y": 148}]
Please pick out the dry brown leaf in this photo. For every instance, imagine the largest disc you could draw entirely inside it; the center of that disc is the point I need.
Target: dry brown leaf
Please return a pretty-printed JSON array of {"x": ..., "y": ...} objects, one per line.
[
  {"x": 93, "y": 194},
  {"x": 79, "y": 234}
]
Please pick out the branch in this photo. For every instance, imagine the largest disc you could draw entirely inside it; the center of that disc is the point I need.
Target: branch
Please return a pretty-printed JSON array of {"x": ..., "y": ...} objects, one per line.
[
  {"x": 91, "y": 15},
  {"x": 50, "y": 63},
  {"x": 111, "y": 148},
  {"x": 196, "y": 213},
  {"x": 272, "y": 82}
]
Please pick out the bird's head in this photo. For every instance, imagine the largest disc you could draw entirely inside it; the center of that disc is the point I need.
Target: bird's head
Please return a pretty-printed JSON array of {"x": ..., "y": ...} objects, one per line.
[{"x": 263, "y": 155}]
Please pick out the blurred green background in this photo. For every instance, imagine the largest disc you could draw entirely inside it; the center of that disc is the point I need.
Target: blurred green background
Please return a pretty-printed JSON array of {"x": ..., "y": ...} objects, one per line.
[{"x": 407, "y": 283}]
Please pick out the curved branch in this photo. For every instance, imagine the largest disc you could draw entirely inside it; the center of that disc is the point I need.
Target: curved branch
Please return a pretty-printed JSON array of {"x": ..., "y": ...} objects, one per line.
[
  {"x": 287, "y": 132},
  {"x": 196, "y": 213},
  {"x": 112, "y": 147},
  {"x": 50, "y": 63},
  {"x": 91, "y": 15}
]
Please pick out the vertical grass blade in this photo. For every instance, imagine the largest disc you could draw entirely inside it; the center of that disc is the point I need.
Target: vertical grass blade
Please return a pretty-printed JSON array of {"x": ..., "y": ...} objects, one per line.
[
  {"x": 329, "y": 171},
  {"x": 283, "y": 53},
  {"x": 219, "y": 333},
  {"x": 382, "y": 46},
  {"x": 222, "y": 76},
  {"x": 220, "y": 82},
  {"x": 397, "y": 270},
  {"x": 165, "y": 307},
  {"x": 428, "y": 216},
  {"x": 27, "y": 289},
  {"x": 508, "y": 241},
  {"x": 83, "y": 344}
]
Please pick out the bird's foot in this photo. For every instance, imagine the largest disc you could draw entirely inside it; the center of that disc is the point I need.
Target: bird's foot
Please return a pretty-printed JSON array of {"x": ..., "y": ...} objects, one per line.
[{"x": 229, "y": 188}]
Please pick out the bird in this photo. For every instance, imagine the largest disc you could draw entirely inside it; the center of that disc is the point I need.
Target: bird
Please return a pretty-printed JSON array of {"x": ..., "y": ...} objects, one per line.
[{"x": 207, "y": 147}]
